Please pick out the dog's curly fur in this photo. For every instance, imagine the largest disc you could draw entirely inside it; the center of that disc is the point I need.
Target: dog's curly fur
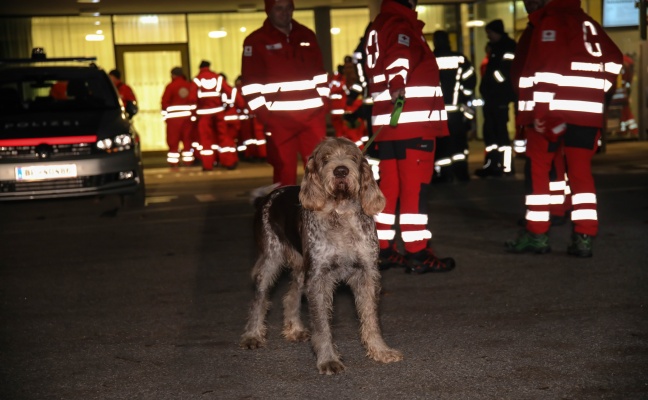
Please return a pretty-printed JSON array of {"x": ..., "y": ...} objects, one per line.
[{"x": 325, "y": 232}]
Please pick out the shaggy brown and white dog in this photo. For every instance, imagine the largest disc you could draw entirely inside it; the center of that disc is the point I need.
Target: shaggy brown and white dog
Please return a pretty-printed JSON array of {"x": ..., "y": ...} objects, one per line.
[{"x": 326, "y": 234}]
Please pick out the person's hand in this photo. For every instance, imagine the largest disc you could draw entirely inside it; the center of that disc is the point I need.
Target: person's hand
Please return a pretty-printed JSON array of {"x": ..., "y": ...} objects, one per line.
[
  {"x": 550, "y": 127},
  {"x": 396, "y": 94}
]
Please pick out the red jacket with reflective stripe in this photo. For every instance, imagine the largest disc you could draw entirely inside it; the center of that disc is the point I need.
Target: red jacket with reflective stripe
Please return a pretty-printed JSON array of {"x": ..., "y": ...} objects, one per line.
[
  {"x": 399, "y": 57},
  {"x": 208, "y": 88},
  {"x": 177, "y": 93},
  {"x": 570, "y": 64},
  {"x": 282, "y": 73}
]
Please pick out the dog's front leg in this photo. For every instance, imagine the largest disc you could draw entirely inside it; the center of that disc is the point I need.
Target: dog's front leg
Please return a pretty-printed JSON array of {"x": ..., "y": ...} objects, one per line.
[
  {"x": 366, "y": 287},
  {"x": 319, "y": 291},
  {"x": 294, "y": 330}
]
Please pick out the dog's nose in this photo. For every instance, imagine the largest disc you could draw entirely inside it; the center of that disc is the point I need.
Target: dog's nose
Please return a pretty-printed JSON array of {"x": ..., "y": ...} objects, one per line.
[{"x": 341, "y": 172}]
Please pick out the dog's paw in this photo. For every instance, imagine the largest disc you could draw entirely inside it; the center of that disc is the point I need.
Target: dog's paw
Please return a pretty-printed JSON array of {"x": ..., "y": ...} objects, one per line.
[
  {"x": 330, "y": 367},
  {"x": 251, "y": 342},
  {"x": 293, "y": 334},
  {"x": 387, "y": 355}
]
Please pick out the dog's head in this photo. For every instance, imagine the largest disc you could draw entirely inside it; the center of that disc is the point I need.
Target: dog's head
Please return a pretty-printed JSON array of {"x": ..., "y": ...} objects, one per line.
[{"x": 337, "y": 172}]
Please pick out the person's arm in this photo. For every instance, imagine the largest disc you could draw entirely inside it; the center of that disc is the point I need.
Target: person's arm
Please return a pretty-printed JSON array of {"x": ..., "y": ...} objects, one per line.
[{"x": 253, "y": 76}]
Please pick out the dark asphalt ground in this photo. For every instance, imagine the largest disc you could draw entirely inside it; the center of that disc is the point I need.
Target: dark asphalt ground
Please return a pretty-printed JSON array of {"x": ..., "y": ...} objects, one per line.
[{"x": 151, "y": 304}]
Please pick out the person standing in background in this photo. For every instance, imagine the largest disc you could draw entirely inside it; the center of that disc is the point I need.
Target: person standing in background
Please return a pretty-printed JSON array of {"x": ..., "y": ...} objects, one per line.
[
  {"x": 497, "y": 92},
  {"x": 458, "y": 80},
  {"x": 209, "y": 88},
  {"x": 177, "y": 108},
  {"x": 286, "y": 86},
  {"x": 126, "y": 93}
]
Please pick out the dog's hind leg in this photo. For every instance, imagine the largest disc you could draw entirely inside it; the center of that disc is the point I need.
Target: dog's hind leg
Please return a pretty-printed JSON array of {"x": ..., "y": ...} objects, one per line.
[
  {"x": 293, "y": 329},
  {"x": 365, "y": 286},
  {"x": 266, "y": 271},
  {"x": 319, "y": 291}
]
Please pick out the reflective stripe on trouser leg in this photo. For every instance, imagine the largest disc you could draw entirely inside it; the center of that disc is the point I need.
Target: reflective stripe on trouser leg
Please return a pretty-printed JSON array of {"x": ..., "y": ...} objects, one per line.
[
  {"x": 558, "y": 184},
  {"x": 581, "y": 181},
  {"x": 415, "y": 174},
  {"x": 538, "y": 199},
  {"x": 206, "y": 126}
]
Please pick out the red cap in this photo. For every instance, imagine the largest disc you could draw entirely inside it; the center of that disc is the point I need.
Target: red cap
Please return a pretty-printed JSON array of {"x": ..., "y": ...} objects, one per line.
[{"x": 270, "y": 3}]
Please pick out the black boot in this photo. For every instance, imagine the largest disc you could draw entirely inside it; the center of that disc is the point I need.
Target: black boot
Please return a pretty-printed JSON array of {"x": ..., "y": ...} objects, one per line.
[{"x": 492, "y": 165}]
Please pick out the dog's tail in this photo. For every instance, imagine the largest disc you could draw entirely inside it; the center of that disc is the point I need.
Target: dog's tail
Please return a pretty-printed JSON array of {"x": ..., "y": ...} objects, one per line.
[{"x": 257, "y": 194}]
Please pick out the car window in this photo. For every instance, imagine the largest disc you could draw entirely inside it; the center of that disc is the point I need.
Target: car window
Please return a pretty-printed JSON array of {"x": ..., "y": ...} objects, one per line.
[{"x": 64, "y": 90}]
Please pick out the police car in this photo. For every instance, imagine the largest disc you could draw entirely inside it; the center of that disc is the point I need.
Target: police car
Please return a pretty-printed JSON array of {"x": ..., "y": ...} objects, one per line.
[{"x": 65, "y": 133}]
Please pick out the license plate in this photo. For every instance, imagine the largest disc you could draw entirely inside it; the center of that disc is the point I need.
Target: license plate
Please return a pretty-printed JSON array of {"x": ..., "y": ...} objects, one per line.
[{"x": 43, "y": 172}]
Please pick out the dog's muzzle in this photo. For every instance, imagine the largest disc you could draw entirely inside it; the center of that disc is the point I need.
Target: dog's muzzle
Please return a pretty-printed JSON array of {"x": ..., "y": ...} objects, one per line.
[{"x": 341, "y": 173}]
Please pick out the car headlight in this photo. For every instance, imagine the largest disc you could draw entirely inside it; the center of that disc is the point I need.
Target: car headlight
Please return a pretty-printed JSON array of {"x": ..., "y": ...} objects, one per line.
[{"x": 118, "y": 143}]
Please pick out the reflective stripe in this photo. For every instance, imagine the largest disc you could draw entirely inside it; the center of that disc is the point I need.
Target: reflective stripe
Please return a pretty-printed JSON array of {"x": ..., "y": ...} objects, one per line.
[
  {"x": 207, "y": 111},
  {"x": 543, "y": 97},
  {"x": 256, "y": 103},
  {"x": 526, "y": 82},
  {"x": 508, "y": 56},
  {"x": 589, "y": 67},
  {"x": 413, "y": 219},
  {"x": 386, "y": 234},
  {"x": 411, "y": 116},
  {"x": 400, "y": 62},
  {"x": 379, "y": 78},
  {"x": 449, "y": 62},
  {"x": 336, "y": 96},
  {"x": 613, "y": 68},
  {"x": 557, "y": 199},
  {"x": 459, "y": 157},
  {"x": 178, "y": 114},
  {"x": 537, "y": 216},
  {"x": 468, "y": 74},
  {"x": 442, "y": 162},
  {"x": 498, "y": 75},
  {"x": 324, "y": 91},
  {"x": 415, "y": 236},
  {"x": 322, "y": 78},
  {"x": 557, "y": 186},
  {"x": 570, "y": 80},
  {"x": 584, "y": 198},
  {"x": 252, "y": 88},
  {"x": 526, "y": 105},
  {"x": 490, "y": 148},
  {"x": 387, "y": 219},
  {"x": 206, "y": 152},
  {"x": 538, "y": 200},
  {"x": 580, "y": 215},
  {"x": 410, "y": 92},
  {"x": 575, "y": 105},
  {"x": 180, "y": 108},
  {"x": 402, "y": 73},
  {"x": 296, "y": 105},
  {"x": 337, "y": 112}
]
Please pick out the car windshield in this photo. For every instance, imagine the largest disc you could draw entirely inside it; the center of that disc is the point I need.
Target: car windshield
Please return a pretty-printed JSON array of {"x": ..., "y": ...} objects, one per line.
[{"x": 32, "y": 90}]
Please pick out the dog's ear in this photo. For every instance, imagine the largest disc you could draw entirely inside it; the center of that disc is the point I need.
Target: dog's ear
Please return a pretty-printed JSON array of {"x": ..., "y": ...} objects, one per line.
[
  {"x": 371, "y": 197},
  {"x": 312, "y": 195}
]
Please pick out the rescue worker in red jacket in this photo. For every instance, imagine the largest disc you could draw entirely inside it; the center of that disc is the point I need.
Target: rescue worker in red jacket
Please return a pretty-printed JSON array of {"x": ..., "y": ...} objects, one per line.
[
  {"x": 209, "y": 88},
  {"x": 177, "y": 108},
  {"x": 286, "y": 86},
  {"x": 400, "y": 64},
  {"x": 126, "y": 93},
  {"x": 558, "y": 185},
  {"x": 563, "y": 97}
]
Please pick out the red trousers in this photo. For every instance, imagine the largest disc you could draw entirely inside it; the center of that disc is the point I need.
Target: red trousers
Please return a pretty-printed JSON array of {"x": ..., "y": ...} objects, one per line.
[
  {"x": 406, "y": 168},
  {"x": 213, "y": 138},
  {"x": 178, "y": 130},
  {"x": 287, "y": 139},
  {"x": 579, "y": 144}
]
